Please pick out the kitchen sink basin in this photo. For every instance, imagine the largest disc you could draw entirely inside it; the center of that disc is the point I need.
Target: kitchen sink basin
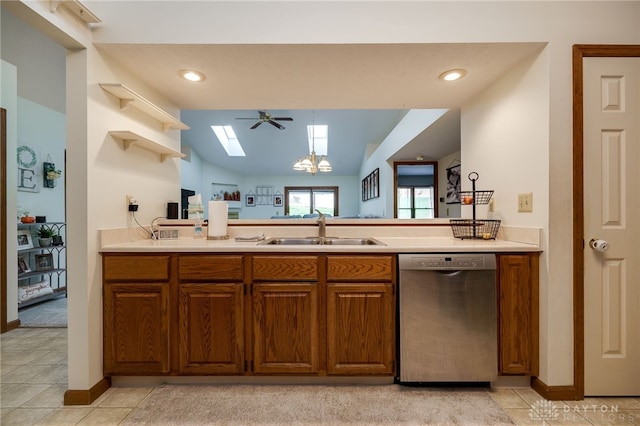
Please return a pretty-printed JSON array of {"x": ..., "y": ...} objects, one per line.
[
  {"x": 290, "y": 241},
  {"x": 319, "y": 241},
  {"x": 353, "y": 242}
]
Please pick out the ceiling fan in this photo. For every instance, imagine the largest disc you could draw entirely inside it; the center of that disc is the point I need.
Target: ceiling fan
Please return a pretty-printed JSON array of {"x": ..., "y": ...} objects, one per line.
[{"x": 265, "y": 117}]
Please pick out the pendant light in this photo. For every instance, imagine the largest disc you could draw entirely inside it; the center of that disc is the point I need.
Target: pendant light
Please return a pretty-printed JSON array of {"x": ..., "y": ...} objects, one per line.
[{"x": 311, "y": 163}]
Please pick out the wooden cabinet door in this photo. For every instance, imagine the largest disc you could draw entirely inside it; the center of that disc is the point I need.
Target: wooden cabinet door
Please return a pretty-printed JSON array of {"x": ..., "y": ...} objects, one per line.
[
  {"x": 136, "y": 328},
  {"x": 360, "y": 329},
  {"x": 518, "y": 314},
  {"x": 285, "y": 328},
  {"x": 211, "y": 328}
]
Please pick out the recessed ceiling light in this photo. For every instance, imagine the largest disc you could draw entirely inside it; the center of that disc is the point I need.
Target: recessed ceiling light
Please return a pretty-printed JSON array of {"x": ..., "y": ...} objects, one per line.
[
  {"x": 453, "y": 75},
  {"x": 192, "y": 75}
]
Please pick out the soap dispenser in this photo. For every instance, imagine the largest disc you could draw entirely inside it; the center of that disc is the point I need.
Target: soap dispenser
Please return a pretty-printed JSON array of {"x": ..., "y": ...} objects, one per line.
[{"x": 197, "y": 227}]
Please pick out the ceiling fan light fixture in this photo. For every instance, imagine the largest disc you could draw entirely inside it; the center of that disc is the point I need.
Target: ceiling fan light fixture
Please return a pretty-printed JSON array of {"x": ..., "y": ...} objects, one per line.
[
  {"x": 265, "y": 117},
  {"x": 192, "y": 75},
  {"x": 453, "y": 75}
]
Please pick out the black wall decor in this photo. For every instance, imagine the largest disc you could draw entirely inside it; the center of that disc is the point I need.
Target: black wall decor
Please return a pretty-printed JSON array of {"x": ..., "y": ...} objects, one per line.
[{"x": 371, "y": 185}]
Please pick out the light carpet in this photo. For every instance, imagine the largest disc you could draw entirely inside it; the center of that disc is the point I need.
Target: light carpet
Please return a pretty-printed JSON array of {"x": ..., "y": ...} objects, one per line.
[
  {"x": 52, "y": 313},
  {"x": 189, "y": 405}
]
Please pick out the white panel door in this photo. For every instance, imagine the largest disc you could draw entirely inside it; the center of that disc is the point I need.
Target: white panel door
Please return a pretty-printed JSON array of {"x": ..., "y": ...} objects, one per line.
[{"x": 612, "y": 213}]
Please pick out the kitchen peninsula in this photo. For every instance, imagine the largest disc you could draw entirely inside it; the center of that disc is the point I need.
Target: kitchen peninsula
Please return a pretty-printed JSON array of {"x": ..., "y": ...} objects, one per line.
[{"x": 197, "y": 307}]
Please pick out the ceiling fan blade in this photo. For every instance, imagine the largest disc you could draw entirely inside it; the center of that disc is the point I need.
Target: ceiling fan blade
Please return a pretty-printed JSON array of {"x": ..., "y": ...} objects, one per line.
[
  {"x": 245, "y": 118},
  {"x": 273, "y": 123},
  {"x": 256, "y": 125},
  {"x": 282, "y": 118}
]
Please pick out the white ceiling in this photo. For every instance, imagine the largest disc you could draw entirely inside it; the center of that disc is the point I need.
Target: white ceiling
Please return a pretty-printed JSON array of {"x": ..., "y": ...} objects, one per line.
[{"x": 294, "y": 80}]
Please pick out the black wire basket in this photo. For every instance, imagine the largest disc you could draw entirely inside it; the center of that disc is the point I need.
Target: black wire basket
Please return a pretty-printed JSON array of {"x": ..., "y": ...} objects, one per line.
[
  {"x": 480, "y": 229},
  {"x": 475, "y": 197}
]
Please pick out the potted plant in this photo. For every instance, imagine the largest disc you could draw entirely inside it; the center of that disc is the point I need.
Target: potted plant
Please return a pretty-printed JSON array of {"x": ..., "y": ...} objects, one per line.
[{"x": 45, "y": 234}]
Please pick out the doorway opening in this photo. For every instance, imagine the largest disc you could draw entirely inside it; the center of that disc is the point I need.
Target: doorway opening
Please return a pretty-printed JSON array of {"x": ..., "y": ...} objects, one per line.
[{"x": 415, "y": 186}]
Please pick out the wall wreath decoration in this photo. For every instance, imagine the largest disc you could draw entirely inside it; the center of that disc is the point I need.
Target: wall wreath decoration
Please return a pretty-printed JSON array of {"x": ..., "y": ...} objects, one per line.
[{"x": 26, "y": 157}]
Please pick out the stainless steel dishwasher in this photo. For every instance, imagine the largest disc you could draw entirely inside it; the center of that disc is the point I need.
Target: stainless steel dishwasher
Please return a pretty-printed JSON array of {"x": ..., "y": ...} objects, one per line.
[{"x": 448, "y": 319}]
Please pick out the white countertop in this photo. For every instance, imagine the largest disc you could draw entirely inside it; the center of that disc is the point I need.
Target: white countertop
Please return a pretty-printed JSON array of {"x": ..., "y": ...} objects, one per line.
[{"x": 392, "y": 245}]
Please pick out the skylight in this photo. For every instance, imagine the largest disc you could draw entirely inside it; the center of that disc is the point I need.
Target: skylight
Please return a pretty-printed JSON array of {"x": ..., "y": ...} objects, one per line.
[
  {"x": 229, "y": 140},
  {"x": 318, "y": 135}
]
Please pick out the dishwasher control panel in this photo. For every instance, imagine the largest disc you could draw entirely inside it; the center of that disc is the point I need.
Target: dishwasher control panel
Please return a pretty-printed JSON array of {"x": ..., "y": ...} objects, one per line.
[{"x": 447, "y": 262}]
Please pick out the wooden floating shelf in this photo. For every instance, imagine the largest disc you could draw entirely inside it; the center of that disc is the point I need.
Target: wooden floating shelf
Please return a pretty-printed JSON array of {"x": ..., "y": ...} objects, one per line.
[
  {"x": 129, "y": 138},
  {"x": 129, "y": 97}
]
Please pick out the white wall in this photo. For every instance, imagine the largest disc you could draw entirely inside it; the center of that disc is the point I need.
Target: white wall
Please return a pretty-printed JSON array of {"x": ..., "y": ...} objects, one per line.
[
  {"x": 199, "y": 176},
  {"x": 348, "y": 192},
  {"x": 505, "y": 139},
  {"x": 136, "y": 172},
  {"x": 411, "y": 125},
  {"x": 47, "y": 138},
  {"x": 447, "y": 210},
  {"x": 9, "y": 101},
  {"x": 191, "y": 171},
  {"x": 561, "y": 24},
  {"x": 101, "y": 174},
  {"x": 38, "y": 63}
]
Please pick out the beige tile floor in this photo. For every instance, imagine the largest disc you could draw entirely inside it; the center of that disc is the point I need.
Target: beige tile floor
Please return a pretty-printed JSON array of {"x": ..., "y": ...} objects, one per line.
[{"x": 33, "y": 378}]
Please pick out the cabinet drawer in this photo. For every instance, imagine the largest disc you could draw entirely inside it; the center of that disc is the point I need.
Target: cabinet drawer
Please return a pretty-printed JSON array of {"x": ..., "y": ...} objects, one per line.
[
  {"x": 295, "y": 268},
  {"x": 360, "y": 268},
  {"x": 136, "y": 268},
  {"x": 210, "y": 268}
]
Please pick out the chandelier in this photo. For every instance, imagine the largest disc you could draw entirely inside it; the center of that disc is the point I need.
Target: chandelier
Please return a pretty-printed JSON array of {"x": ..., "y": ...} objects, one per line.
[{"x": 313, "y": 163}]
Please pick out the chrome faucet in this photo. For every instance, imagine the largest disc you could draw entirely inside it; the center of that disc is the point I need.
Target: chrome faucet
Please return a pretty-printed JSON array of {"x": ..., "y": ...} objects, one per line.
[{"x": 322, "y": 226}]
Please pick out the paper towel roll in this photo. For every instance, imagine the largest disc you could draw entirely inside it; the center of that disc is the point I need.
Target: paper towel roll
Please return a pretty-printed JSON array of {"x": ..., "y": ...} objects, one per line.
[{"x": 218, "y": 215}]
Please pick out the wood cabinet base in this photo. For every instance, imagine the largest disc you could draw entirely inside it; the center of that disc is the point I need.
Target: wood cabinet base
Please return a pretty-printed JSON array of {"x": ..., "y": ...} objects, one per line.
[{"x": 251, "y": 315}]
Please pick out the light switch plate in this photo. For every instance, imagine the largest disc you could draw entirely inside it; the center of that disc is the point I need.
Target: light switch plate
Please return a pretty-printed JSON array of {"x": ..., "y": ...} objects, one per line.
[
  {"x": 168, "y": 233},
  {"x": 525, "y": 202}
]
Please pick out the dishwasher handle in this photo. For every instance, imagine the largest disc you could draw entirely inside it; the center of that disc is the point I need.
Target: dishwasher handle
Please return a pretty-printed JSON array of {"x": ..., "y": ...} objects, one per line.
[{"x": 448, "y": 273}]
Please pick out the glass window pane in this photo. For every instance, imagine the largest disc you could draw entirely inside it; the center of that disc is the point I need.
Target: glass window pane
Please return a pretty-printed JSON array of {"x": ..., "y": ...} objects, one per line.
[
  {"x": 323, "y": 201},
  {"x": 404, "y": 198},
  {"x": 404, "y": 213},
  {"x": 424, "y": 213},
  {"x": 299, "y": 202},
  {"x": 423, "y": 198}
]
